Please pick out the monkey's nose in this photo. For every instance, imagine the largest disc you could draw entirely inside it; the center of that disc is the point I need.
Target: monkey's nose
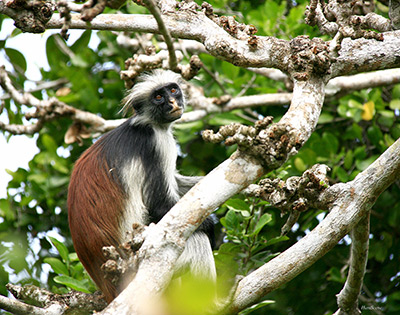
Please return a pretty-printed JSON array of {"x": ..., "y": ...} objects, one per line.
[{"x": 174, "y": 104}]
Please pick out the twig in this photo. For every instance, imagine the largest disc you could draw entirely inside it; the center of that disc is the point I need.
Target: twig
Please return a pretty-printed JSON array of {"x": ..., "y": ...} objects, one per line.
[
  {"x": 211, "y": 74},
  {"x": 152, "y": 7},
  {"x": 65, "y": 12},
  {"x": 46, "y": 110},
  {"x": 92, "y": 8},
  {"x": 347, "y": 299},
  {"x": 41, "y": 86}
]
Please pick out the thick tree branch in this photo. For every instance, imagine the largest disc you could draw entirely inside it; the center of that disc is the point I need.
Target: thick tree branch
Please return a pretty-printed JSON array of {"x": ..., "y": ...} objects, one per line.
[
  {"x": 226, "y": 39},
  {"x": 349, "y": 203},
  {"x": 194, "y": 25},
  {"x": 202, "y": 105},
  {"x": 19, "y": 308},
  {"x": 165, "y": 241},
  {"x": 48, "y": 303},
  {"x": 355, "y": 55}
]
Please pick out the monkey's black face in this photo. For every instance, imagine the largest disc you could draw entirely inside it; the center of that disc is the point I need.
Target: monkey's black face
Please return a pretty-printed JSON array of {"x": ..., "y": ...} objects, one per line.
[{"x": 167, "y": 103}]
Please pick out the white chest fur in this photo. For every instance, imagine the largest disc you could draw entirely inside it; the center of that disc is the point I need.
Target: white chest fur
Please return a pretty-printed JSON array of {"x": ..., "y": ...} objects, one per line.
[{"x": 134, "y": 178}]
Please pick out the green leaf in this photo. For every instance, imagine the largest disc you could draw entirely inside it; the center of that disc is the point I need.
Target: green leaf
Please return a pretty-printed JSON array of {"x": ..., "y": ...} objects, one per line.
[
  {"x": 348, "y": 159},
  {"x": 334, "y": 274},
  {"x": 395, "y": 131},
  {"x": 237, "y": 204},
  {"x": 354, "y": 132},
  {"x": 394, "y": 104},
  {"x": 58, "y": 181},
  {"x": 331, "y": 142},
  {"x": 82, "y": 42},
  {"x": 256, "y": 307},
  {"x": 341, "y": 174},
  {"x": 394, "y": 216},
  {"x": 73, "y": 257},
  {"x": 73, "y": 283},
  {"x": 360, "y": 153},
  {"x": 231, "y": 220},
  {"x": 354, "y": 104},
  {"x": 226, "y": 119},
  {"x": 57, "y": 265},
  {"x": 265, "y": 218},
  {"x": 49, "y": 142},
  {"x": 39, "y": 179},
  {"x": 388, "y": 140},
  {"x": 386, "y": 118},
  {"x": 17, "y": 59},
  {"x": 55, "y": 56},
  {"x": 375, "y": 135},
  {"x": 6, "y": 210},
  {"x": 299, "y": 164},
  {"x": 79, "y": 61},
  {"x": 61, "y": 248},
  {"x": 325, "y": 118},
  {"x": 58, "y": 165},
  {"x": 277, "y": 239}
]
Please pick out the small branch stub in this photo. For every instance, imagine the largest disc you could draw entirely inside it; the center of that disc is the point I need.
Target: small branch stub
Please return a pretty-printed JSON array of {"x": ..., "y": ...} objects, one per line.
[
  {"x": 122, "y": 263},
  {"x": 296, "y": 194},
  {"x": 30, "y": 16},
  {"x": 270, "y": 145},
  {"x": 309, "y": 57}
]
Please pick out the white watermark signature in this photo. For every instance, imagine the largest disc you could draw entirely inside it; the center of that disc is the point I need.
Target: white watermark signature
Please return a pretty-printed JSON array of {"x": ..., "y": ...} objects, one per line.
[{"x": 371, "y": 308}]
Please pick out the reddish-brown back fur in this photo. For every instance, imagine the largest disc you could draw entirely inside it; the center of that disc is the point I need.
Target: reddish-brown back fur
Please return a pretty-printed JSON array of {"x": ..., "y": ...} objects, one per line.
[{"x": 95, "y": 202}]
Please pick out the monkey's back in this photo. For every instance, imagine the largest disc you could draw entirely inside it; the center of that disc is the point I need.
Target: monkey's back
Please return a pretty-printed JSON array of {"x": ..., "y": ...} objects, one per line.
[{"x": 94, "y": 201}]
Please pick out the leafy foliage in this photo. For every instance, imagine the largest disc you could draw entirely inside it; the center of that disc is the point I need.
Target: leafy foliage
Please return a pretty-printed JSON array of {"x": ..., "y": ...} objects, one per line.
[{"x": 353, "y": 131}]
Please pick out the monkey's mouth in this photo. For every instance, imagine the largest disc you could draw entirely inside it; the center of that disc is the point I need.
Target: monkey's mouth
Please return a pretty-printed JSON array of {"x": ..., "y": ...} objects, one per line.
[{"x": 176, "y": 113}]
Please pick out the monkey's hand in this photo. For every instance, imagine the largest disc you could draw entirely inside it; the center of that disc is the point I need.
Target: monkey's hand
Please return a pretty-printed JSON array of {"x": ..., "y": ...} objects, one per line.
[{"x": 122, "y": 262}]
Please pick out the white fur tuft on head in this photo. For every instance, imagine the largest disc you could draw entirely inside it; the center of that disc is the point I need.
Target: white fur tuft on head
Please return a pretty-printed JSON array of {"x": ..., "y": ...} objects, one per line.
[{"x": 147, "y": 83}]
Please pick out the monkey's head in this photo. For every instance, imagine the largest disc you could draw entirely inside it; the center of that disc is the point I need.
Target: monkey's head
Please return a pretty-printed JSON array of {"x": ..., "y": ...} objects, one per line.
[{"x": 157, "y": 98}]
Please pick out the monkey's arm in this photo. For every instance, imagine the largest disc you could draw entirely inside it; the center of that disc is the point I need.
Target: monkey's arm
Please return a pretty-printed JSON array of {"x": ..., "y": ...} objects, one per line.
[{"x": 186, "y": 182}]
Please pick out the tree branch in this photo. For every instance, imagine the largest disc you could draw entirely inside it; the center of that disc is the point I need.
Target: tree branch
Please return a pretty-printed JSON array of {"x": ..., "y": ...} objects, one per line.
[
  {"x": 202, "y": 106},
  {"x": 48, "y": 303},
  {"x": 173, "y": 62},
  {"x": 347, "y": 299},
  {"x": 165, "y": 241},
  {"x": 355, "y": 55},
  {"x": 19, "y": 308},
  {"x": 349, "y": 203},
  {"x": 47, "y": 110}
]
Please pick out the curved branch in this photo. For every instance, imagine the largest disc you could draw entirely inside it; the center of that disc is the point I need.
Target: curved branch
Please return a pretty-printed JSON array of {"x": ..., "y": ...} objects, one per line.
[
  {"x": 186, "y": 24},
  {"x": 173, "y": 62},
  {"x": 355, "y": 56},
  {"x": 202, "y": 105},
  {"x": 347, "y": 299}
]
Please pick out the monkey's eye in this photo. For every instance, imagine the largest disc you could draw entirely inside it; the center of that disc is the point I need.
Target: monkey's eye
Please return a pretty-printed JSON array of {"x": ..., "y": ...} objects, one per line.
[
  {"x": 173, "y": 90},
  {"x": 158, "y": 97}
]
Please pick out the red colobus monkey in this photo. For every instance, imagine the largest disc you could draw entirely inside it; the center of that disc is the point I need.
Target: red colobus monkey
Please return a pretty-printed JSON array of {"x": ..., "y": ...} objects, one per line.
[{"x": 129, "y": 176}]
